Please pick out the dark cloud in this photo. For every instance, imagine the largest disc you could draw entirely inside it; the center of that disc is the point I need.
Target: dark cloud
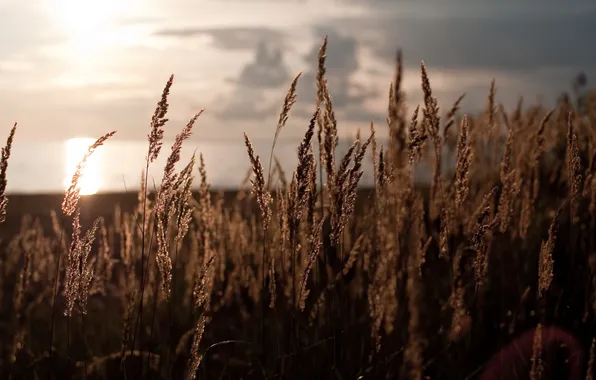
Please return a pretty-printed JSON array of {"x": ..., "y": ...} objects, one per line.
[
  {"x": 544, "y": 50},
  {"x": 228, "y": 38},
  {"x": 266, "y": 70},
  {"x": 506, "y": 43}
]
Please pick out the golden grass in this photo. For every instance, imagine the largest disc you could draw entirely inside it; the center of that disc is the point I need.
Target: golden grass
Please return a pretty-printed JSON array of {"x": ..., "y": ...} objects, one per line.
[{"x": 310, "y": 276}]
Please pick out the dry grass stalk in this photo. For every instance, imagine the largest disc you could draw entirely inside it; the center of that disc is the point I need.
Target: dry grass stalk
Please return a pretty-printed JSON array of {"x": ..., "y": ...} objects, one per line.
[
  {"x": 201, "y": 295},
  {"x": 172, "y": 202},
  {"x": 538, "y": 148},
  {"x": 537, "y": 368},
  {"x": 494, "y": 131},
  {"x": 72, "y": 195},
  {"x": 574, "y": 177},
  {"x": 347, "y": 183},
  {"x": 431, "y": 109},
  {"x": 195, "y": 355},
  {"x": 531, "y": 183},
  {"x": 431, "y": 124},
  {"x": 158, "y": 121},
  {"x": 283, "y": 119},
  {"x": 483, "y": 222},
  {"x": 3, "y": 168},
  {"x": 352, "y": 257},
  {"x": 462, "y": 168},
  {"x": 321, "y": 83},
  {"x": 163, "y": 259},
  {"x": 79, "y": 272},
  {"x": 450, "y": 117},
  {"x": 444, "y": 233},
  {"x": 526, "y": 211},
  {"x": 382, "y": 176},
  {"x": 304, "y": 171},
  {"x": 167, "y": 187},
  {"x": 457, "y": 298},
  {"x": 383, "y": 303},
  {"x": 315, "y": 244},
  {"x": 313, "y": 196},
  {"x": 396, "y": 120},
  {"x": 329, "y": 121},
  {"x": 202, "y": 286},
  {"x": 417, "y": 138},
  {"x": 509, "y": 185},
  {"x": 287, "y": 106},
  {"x": 258, "y": 184},
  {"x": 184, "y": 207},
  {"x": 545, "y": 261}
]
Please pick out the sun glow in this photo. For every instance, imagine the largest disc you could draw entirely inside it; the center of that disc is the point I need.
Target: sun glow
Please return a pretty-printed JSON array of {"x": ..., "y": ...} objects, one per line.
[
  {"x": 90, "y": 181},
  {"x": 91, "y": 26},
  {"x": 84, "y": 15}
]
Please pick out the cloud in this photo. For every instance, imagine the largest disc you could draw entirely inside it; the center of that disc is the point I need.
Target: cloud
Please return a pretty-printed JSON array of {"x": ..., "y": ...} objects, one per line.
[
  {"x": 14, "y": 38},
  {"x": 246, "y": 104},
  {"x": 266, "y": 70},
  {"x": 505, "y": 43},
  {"x": 263, "y": 75},
  {"x": 363, "y": 115},
  {"x": 464, "y": 49},
  {"x": 228, "y": 38}
]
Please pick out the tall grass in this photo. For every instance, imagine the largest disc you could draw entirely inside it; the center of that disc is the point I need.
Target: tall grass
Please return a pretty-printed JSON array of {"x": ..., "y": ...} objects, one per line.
[{"x": 314, "y": 275}]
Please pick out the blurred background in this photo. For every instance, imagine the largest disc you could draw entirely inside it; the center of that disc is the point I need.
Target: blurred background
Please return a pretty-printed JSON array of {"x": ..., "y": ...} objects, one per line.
[{"x": 72, "y": 70}]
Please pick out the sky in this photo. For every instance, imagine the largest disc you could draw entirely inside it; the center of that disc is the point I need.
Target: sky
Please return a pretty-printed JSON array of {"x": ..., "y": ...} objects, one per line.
[{"x": 80, "y": 68}]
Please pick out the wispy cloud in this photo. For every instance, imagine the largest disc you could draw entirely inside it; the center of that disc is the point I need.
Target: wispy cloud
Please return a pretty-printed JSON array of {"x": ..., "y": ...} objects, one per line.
[{"x": 232, "y": 38}]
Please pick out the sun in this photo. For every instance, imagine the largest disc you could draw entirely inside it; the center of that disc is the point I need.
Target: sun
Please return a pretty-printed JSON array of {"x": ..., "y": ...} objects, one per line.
[
  {"x": 87, "y": 15},
  {"x": 90, "y": 181},
  {"x": 82, "y": 15}
]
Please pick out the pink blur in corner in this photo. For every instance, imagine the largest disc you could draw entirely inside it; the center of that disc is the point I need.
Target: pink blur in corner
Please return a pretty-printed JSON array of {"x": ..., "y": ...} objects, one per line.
[{"x": 514, "y": 360}]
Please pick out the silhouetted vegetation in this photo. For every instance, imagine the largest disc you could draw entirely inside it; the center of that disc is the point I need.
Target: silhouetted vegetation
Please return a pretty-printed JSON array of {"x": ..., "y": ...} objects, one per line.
[{"x": 304, "y": 274}]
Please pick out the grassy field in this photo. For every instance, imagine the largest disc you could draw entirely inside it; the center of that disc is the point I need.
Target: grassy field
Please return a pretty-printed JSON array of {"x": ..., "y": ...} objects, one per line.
[{"x": 303, "y": 273}]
